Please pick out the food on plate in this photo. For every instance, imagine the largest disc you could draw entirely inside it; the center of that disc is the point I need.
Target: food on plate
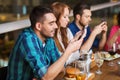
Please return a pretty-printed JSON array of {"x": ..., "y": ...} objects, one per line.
[
  {"x": 107, "y": 55},
  {"x": 67, "y": 78},
  {"x": 70, "y": 73},
  {"x": 116, "y": 55}
]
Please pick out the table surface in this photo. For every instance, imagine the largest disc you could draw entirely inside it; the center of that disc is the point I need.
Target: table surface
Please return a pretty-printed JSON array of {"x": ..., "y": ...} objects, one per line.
[{"x": 108, "y": 72}]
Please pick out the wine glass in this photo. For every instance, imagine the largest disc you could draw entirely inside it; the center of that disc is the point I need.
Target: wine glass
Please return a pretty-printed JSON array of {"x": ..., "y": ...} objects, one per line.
[
  {"x": 112, "y": 52},
  {"x": 99, "y": 61}
]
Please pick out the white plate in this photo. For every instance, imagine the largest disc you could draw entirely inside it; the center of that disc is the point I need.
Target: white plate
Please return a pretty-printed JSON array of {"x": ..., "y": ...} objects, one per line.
[{"x": 109, "y": 58}]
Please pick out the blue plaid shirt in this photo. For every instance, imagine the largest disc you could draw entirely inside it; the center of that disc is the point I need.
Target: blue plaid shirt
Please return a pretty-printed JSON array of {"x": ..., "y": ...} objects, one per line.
[
  {"x": 74, "y": 29},
  {"x": 29, "y": 58}
]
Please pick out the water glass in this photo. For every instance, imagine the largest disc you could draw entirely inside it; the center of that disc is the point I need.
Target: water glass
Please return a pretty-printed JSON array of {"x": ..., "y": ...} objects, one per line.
[
  {"x": 99, "y": 61},
  {"x": 81, "y": 66}
]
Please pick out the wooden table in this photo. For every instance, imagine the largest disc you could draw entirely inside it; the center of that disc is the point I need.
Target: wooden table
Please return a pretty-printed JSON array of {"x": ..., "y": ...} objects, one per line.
[{"x": 108, "y": 73}]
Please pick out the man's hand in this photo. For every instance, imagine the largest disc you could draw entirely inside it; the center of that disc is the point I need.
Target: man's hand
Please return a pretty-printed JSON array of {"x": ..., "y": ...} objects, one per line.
[
  {"x": 99, "y": 28},
  {"x": 104, "y": 27}
]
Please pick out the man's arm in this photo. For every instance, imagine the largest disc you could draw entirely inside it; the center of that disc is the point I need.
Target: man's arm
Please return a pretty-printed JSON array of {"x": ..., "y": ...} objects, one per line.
[
  {"x": 103, "y": 41},
  {"x": 104, "y": 36},
  {"x": 57, "y": 66},
  {"x": 89, "y": 42},
  {"x": 97, "y": 30}
]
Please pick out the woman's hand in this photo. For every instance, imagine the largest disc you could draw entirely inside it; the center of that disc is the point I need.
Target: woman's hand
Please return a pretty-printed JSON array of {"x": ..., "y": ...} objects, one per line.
[
  {"x": 77, "y": 36},
  {"x": 75, "y": 43},
  {"x": 80, "y": 35}
]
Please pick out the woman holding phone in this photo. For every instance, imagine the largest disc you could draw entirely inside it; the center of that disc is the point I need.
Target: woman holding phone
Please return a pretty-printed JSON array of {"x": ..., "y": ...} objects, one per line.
[{"x": 63, "y": 35}]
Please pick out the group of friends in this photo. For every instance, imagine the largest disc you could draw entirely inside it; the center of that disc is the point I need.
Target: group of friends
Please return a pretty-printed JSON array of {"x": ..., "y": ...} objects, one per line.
[{"x": 44, "y": 49}]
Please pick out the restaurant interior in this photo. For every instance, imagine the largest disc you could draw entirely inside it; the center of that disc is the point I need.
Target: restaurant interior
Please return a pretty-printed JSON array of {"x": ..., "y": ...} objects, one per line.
[{"x": 14, "y": 12}]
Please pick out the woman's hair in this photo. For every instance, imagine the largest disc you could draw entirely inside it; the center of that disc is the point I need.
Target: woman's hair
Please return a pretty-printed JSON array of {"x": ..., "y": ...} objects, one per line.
[
  {"x": 58, "y": 10},
  {"x": 118, "y": 18}
]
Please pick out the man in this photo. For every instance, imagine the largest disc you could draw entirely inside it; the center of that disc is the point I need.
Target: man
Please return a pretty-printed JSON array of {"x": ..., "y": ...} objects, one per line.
[
  {"x": 35, "y": 54},
  {"x": 82, "y": 18}
]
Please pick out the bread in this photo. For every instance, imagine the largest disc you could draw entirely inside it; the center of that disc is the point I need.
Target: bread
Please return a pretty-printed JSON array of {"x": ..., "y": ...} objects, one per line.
[
  {"x": 67, "y": 78},
  {"x": 71, "y": 73},
  {"x": 71, "y": 70},
  {"x": 116, "y": 56},
  {"x": 107, "y": 55}
]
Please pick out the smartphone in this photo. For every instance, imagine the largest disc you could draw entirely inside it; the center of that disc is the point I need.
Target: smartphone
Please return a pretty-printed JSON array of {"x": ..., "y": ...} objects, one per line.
[{"x": 103, "y": 19}]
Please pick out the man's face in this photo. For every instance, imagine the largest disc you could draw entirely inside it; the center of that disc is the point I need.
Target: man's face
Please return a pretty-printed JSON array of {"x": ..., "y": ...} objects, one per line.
[
  {"x": 48, "y": 26},
  {"x": 85, "y": 18}
]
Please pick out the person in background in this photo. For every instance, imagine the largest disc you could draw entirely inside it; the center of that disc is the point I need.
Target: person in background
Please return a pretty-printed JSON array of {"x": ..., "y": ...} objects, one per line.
[
  {"x": 35, "y": 54},
  {"x": 63, "y": 34},
  {"x": 114, "y": 36},
  {"x": 82, "y": 18}
]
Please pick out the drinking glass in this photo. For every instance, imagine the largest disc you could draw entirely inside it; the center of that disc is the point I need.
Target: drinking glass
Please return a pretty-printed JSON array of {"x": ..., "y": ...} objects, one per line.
[
  {"x": 112, "y": 52},
  {"x": 111, "y": 63},
  {"x": 86, "y": 56},
  {"x": 99, "y": 61},
  {"x": 81, "y": 74}
]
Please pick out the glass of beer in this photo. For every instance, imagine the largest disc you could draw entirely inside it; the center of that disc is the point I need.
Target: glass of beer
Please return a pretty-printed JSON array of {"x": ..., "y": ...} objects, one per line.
[{"x": 81, "y": 75}]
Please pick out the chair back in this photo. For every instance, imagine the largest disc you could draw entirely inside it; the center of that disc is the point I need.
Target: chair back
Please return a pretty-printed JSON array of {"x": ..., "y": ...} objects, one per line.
[{"x": 3, "y": 73}]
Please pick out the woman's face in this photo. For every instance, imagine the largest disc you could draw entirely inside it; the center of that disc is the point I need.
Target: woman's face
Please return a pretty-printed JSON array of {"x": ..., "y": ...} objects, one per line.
[{"x": 64, "y": 18}]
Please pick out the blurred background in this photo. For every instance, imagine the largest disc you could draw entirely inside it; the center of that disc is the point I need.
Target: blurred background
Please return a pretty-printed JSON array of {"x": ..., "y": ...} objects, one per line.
[{"x": 12, "y": 11}]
